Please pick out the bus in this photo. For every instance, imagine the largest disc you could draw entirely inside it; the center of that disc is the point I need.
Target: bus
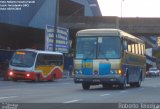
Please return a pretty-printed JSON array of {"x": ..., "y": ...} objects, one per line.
[
  {"x": 109, "y": 57},
  {"x": 35, "y": 65}
]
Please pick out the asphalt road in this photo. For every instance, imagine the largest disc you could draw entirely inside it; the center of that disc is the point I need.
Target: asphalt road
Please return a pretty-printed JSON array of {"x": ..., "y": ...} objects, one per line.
[{"x": 66, "y": 91}]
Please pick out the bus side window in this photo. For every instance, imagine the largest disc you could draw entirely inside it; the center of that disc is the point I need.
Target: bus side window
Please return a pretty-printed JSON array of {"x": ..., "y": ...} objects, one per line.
[
  {"x": 55, "y": 60},
  {"x": 139, "y": 48},
  {"x": 129, "y": 46},
  {"x": 59, "y": 60},
  {"x": 41, "y": 60},
  {"x": 133, "y": 48}
]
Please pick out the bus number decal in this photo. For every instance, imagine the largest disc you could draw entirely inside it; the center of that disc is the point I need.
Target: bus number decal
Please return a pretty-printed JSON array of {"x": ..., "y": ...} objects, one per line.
[{"x": 87, "y": 65}]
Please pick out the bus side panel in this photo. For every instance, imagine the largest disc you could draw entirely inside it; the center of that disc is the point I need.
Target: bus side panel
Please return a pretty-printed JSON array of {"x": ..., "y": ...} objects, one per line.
[
  {"x": 132, "y": 72},
  {"x": 133, "y": 66},
  {"x": 58, "y": 72},
  {"x": 47, "y": 72}
]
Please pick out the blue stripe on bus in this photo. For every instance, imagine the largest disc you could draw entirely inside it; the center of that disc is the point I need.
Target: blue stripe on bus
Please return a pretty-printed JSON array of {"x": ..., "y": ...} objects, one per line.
[
  {"x": 87, "y": 67},
  {"x": 104, "y": 68}
]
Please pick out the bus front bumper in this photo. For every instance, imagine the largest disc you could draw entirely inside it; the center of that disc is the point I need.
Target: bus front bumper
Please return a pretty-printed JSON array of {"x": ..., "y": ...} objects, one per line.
[{"x": 113, "y": 79}]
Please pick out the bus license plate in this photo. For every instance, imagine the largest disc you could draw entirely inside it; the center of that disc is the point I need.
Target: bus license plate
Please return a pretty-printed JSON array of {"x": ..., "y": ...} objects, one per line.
[
  {"x": 96, "y": 80},
  {"x": 19, "y": 76}
]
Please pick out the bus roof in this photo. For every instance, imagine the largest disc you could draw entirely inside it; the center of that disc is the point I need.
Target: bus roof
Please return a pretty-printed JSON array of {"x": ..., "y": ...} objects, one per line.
[
  {"x": 107, "y": 31},
  {"x": 40, "y": 51}
]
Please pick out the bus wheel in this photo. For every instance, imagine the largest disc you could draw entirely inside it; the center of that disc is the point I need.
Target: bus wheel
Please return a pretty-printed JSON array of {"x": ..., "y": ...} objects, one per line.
[
  {"x": 36, "y": 79},
  {"x": 85, "y": 86},
  {"x": 52, "y": 78},
  {"x": 123, "y": 85},
  {"x": 138, "y": 84},
  {"x": 132, "y": 84}
]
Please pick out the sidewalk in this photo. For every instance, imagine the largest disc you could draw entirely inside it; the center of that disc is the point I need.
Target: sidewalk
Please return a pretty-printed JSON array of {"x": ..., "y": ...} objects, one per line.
[{"x": 67, "y": 74}]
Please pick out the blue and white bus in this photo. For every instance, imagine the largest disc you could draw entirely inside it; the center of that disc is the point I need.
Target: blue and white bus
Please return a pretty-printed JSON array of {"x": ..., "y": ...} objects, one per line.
[{"x": 108, "y": 57}]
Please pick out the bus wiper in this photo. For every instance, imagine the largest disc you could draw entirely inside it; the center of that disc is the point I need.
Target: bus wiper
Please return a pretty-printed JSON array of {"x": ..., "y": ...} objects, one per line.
[
  {"x": 102, "y": 53},
  {"x": 21, "y": 64}
]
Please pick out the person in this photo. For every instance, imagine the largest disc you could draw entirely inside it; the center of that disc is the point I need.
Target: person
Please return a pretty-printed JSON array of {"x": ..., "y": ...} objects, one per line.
[{"x": 70, "y": 70}]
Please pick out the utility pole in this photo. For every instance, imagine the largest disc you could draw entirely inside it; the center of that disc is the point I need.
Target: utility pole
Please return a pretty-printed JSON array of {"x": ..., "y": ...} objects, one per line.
[
  {"x": 56, "y": 18},
  {"x": 119, "y": 19}
]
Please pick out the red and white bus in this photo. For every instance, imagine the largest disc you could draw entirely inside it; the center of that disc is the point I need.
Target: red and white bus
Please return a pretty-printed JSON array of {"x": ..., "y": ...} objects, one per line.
[{"x": 36, "y": 65}]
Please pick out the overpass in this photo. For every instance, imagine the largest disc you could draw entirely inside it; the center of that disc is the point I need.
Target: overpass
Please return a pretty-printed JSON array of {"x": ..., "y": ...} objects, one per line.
[{"x": 136, "y": 26}]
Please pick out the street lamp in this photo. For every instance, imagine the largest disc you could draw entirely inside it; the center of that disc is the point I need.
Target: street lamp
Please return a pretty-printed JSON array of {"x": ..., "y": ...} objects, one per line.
[
  {"x": 122, "y": 8},
  {"x": 121, "y": 15},
  {"x": 55, "y": 24}
]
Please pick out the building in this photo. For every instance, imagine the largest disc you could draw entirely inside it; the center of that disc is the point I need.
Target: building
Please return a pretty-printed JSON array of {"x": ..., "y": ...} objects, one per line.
[{"x": 22, "y": 24}]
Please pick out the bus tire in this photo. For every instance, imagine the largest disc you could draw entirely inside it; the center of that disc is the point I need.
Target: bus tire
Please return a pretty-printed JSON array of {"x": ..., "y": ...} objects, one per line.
[
  {"x": 85, "y": 86},
  {"x": 36, "y": 79},
  {"x": 52, "y": 78},
  {"x": 132, "y": 84},
  {"x": 123, "y": 85},
  {"x": 138, "y": 84}
]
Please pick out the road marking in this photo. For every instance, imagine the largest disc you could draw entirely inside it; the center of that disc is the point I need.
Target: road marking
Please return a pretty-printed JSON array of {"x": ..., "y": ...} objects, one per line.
[
  {"x": 148, "y": 78},
  {"x": 123, "y": 91},
  {"x": 105, "y": 95},
  {"x": 72, "y": 101},
  {"x": 7, "y": 97},
  {"x": 66, "y": 83}
]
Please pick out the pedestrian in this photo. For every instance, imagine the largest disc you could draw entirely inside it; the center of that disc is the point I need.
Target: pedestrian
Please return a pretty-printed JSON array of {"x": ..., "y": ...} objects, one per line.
[{"x": 70, "y": 70}]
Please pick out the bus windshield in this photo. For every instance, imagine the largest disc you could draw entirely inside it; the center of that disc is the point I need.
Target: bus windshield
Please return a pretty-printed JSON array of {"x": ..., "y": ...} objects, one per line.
[
  {"x": 23, "y": 59},
  {"x": 98, "y": 47}
]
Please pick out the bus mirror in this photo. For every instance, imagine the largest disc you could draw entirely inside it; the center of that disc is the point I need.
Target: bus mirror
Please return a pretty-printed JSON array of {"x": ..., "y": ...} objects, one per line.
[{"x": 125, "y": 45}]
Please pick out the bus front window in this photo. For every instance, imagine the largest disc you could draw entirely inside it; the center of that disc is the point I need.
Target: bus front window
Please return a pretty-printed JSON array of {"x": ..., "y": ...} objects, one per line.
[
  {"x": 23, "y": 59},
  {"x": 108, "y": 47},
  {"x": 86, "y": 48}
]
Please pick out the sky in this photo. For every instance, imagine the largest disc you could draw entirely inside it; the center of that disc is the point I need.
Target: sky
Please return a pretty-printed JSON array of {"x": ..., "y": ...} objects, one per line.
[{"x": 130, "y": 8}]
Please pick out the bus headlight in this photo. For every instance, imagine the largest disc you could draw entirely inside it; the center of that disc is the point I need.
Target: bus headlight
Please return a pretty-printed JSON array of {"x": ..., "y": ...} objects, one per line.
[
  {"x": 78, "y": 72},
  {"x": 11, "y": 73},
  {"x": 28, "y": 75},
  {"x": 114, "y": 71},
  {"x": 119, "y": 71}
]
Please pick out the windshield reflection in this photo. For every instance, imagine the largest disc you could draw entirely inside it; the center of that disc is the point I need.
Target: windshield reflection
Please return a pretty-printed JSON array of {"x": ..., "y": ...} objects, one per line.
[
  {"x": 98, "y": 47},
  {"x": 23, "y": 59},
  {"x": 86, "y": 48}
]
